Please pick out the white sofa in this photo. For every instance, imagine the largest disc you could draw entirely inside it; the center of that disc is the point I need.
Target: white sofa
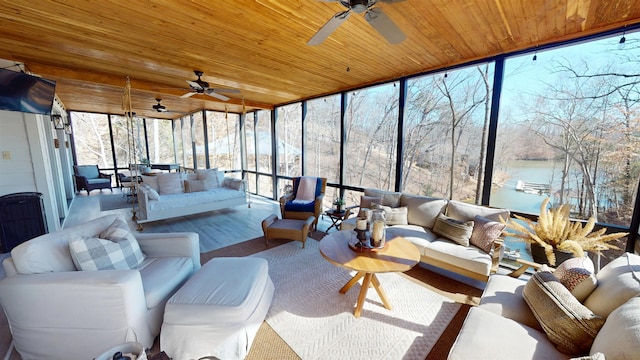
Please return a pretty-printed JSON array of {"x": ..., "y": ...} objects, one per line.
[
  {"x": 57, "y": 312},
  {"x": 165, "y": 195},
  {"x": 436, "y": 250},
  {"x": 504, "y": 327}
]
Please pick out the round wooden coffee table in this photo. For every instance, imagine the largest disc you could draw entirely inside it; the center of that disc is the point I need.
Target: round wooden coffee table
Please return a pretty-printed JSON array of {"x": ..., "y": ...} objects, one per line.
[{"x": 398, "y": 256}]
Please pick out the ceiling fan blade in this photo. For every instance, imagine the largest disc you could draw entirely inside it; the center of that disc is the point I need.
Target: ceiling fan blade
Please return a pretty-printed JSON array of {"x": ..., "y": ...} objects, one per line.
[
  {"x": 194, "y": 85},
  {"x": 189, "y": 94},
  {"x": 217, "y": 96},
  {"x": 391, "y": 1},
  {"x": 329, "y": 27},
  {"x": 384, "y": 25},
  {"x": 225, "y": 90}
]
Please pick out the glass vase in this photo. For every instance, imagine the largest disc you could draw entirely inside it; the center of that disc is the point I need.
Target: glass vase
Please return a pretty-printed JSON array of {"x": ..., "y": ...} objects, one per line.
[{"x": 378, "y": 228}]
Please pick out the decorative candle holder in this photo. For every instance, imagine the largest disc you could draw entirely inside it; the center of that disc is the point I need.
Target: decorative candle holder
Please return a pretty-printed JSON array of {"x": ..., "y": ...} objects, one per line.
[{"x": 378, "y": 228}]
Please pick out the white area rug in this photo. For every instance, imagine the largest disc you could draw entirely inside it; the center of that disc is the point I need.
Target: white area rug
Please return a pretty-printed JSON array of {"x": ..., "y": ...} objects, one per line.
[{"x": 317, "y": 322}]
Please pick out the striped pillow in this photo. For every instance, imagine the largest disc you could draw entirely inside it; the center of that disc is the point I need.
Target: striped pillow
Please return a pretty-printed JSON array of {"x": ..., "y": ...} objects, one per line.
[
  {"x": 452, "y": 229},
  {"x": 568, "y": 324}
]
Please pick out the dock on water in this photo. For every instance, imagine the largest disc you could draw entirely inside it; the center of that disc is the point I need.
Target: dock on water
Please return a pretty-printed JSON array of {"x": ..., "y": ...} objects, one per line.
[{"x": 533, "y": 188}]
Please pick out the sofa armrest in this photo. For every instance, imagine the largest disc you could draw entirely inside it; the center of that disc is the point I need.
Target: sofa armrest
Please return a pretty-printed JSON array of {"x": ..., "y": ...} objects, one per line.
[
  {"x": 70, "y": 299},
  {"x": 286, "y": 198},
  {"x": 496, "y": 250},
  {"x": 186, "y": 244},
  {"x": 104, "y": 176}
]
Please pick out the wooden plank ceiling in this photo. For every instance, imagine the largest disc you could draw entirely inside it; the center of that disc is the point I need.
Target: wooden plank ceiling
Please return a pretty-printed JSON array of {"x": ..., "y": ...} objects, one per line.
[{"x": 90, "y": 47}]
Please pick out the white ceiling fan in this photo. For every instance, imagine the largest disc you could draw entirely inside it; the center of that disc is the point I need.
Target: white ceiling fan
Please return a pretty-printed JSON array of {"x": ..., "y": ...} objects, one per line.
[
  {"x": 373, "y": 15},
  {"x": 200, "y": 86}
]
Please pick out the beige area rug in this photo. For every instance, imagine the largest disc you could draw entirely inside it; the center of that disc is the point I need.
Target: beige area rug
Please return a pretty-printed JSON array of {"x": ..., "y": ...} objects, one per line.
[{"x": 317, "y": 322}]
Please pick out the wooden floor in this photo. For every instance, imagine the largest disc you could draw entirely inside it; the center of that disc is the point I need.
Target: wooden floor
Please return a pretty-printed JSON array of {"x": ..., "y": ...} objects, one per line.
[{"x": 217, "y": 229}]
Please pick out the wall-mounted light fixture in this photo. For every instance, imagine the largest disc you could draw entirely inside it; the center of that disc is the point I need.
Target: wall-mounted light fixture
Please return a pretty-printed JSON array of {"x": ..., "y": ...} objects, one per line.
[
  {"x": 58, "y": 122},
  {"x": 67, "y": 129}
]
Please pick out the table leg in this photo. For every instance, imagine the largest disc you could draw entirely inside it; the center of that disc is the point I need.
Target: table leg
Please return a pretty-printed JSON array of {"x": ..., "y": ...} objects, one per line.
[
  {"x": 351, "y": 282},
  {"x": 381, "y": 293},
  {"x": 363, "y": 294}
]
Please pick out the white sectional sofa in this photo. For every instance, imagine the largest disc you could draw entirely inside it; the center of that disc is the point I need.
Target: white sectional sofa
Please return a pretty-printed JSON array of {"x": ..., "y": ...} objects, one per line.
[
  {"x": 56, "y": 311},
  {"x": 169, "y": 195},
  {"x": 503, "y": 326},
  {"x": 414, "y": 218}
]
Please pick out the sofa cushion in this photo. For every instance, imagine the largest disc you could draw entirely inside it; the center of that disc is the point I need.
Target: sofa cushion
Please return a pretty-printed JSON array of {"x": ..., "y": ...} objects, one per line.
[
  {"x": 503, "y": 296},
  {"x": 576, "y": 274},
  {"x": 463, "y": 211},
  {"x": 568, "y": 324},
  {"x": 236, "y": 184},
  {"x": 366, "y": 202},
  {"x": 617, "y": 283},
  {"x": 50, "y": 252},
  {"x": 486, "y": 335},
  {"x": 393, "y": 216},
  {"x": 196, "y": 185},
  {"x": 466, "y": 257},
  {"x": 389, "y": 198},
  {"x": 619, "y": 337},
  {"x": 452, "y": 229},
  {"x": 161, "y": 276},
  {"x": 151, "y": 181},
  {"x": 417, "y": 235},
  {"x": 88, "y": 171},
  {"x": 422, "y": 210},
  {"x": 485, "y": 232},
  {"x": 151, "y": 192},
  {"x": 210, "y": 176},
  {"x": 170, "y": 183},
  {"x": 120, "y": 233}
]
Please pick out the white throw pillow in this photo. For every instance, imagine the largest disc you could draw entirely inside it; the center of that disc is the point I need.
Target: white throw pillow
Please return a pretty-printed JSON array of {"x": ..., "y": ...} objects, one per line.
[
  {"x": 617, "y": 283},
  {"x": 210, "y": 176},
  {"x": 170, "y": 183},
  {"x": 393, "y": 216},
  {"x": 151, "y": 181},
  {"x": 619, "y": 337}
]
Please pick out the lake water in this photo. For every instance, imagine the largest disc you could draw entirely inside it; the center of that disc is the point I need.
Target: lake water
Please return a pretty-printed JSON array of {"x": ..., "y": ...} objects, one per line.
[{"x": 507, "y": 197}]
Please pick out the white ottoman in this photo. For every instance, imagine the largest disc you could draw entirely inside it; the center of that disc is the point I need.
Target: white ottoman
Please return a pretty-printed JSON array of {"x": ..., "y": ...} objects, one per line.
[{"x": 218, "y": 311}]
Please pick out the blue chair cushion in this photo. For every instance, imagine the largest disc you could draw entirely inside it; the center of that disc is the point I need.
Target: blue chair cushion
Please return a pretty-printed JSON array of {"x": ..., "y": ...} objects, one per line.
[
  {"x": 297, "y": 207},
  {"x": 88, "y": 171},
  {"x": 291, "y": 206}
]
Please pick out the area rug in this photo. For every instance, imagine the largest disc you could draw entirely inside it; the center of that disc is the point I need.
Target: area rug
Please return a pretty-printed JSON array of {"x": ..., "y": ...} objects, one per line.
[
  {"x": 317, "y": 322},
  {"x": 113, "y": 202}
]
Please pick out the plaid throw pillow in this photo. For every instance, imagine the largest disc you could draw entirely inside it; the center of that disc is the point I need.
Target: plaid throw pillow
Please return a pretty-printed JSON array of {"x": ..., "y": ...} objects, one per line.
[
  {"x": 90, "y": 254},
  {"x": 119, "y": 232}
]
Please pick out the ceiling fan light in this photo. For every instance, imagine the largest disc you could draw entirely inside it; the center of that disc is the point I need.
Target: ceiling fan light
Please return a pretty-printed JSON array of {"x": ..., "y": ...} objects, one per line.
[{"x": 359, "y": 8}]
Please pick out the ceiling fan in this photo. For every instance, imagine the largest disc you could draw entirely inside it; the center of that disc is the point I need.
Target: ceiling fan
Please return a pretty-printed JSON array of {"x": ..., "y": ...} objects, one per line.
[
  {"x": 200, "y": 86},
  {"x": 373, "y": 15},
  {"x": 163, "y": 109},
  {"x": 159, "y": 107}
]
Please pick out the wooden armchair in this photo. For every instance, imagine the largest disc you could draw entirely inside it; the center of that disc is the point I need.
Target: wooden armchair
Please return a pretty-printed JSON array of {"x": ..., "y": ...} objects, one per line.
[
  {"x": 89, "y": 177},
  {"x": 291, "y": 210}
]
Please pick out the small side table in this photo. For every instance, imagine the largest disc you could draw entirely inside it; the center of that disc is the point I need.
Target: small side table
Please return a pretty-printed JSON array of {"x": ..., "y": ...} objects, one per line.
[{"x": 338, "y": 217}]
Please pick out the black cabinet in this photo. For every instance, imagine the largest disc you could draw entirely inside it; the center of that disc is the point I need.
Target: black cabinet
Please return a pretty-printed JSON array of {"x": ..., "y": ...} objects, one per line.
[{"x": 22, "y": 217}]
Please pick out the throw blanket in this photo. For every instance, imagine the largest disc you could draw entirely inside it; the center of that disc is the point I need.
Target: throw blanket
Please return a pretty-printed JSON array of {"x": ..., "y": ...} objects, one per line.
[{"x": 306, "y": 190}]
